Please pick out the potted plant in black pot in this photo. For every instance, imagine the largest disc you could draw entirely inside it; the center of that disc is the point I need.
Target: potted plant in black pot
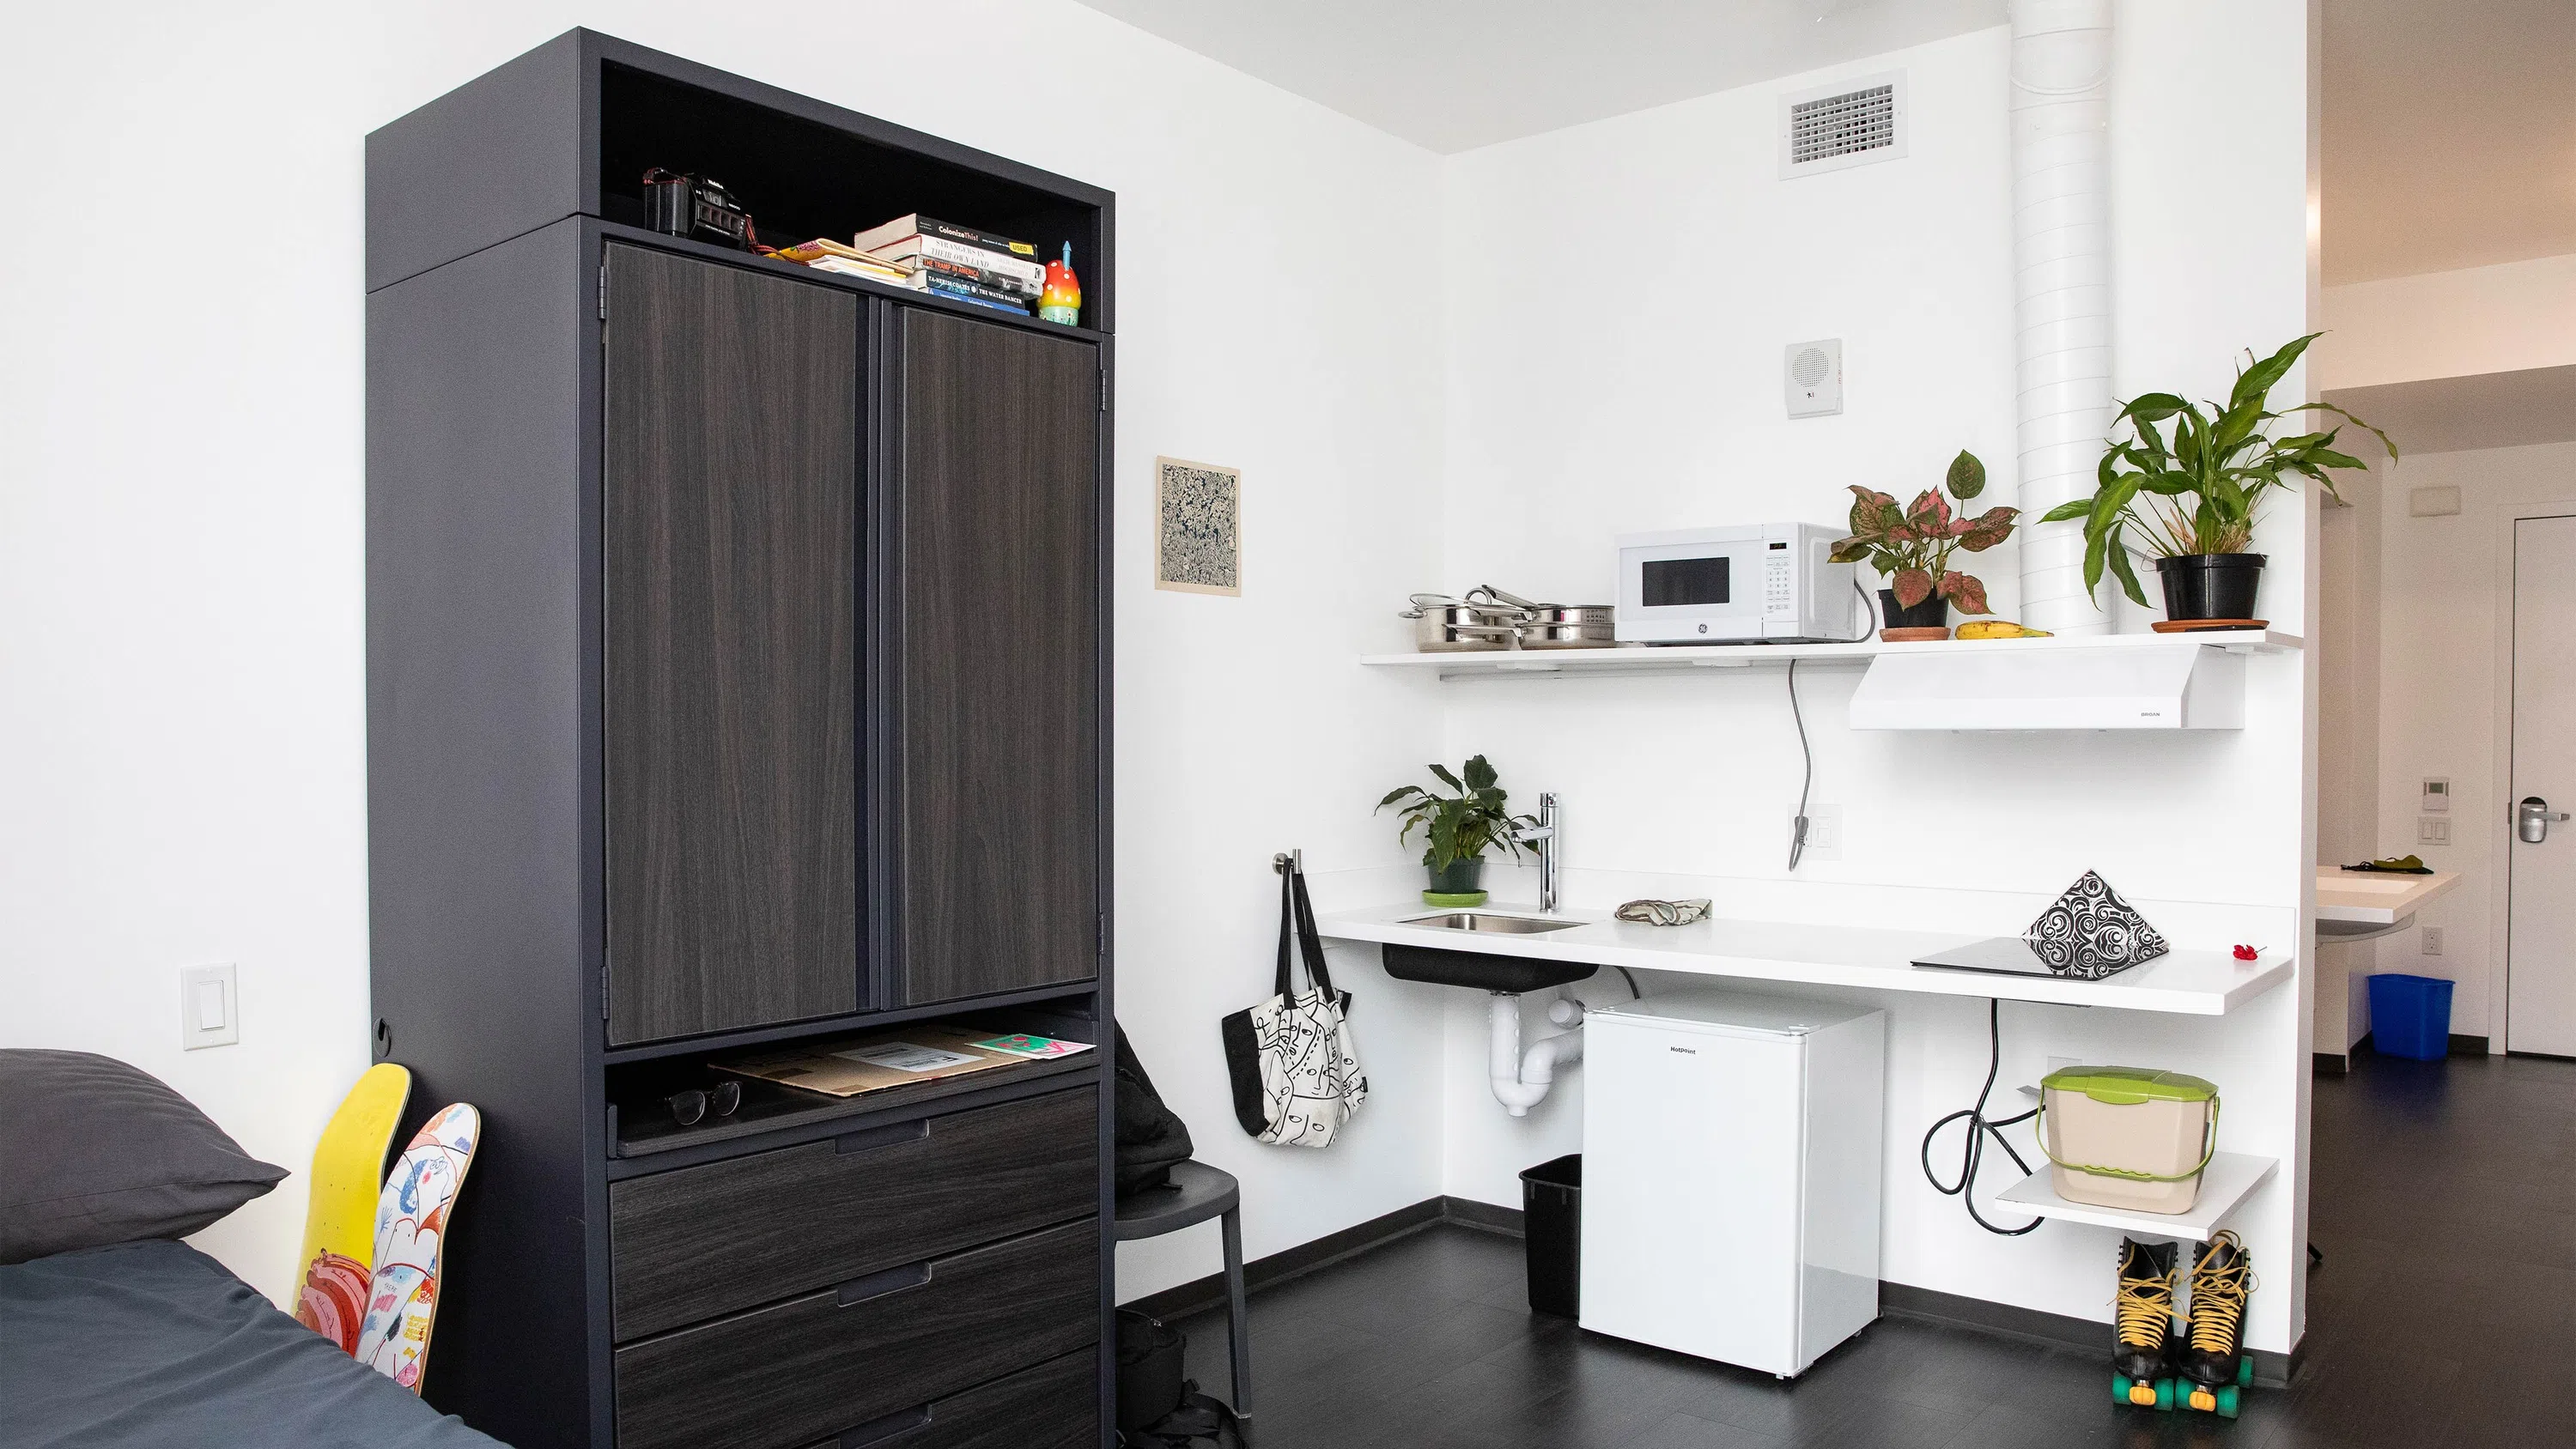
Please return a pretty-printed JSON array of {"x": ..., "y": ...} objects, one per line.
[
  {"x": 1911, "y": 549},
  {"x": 1459, "y": 828},
  {"x": 2192, "y": 483}
]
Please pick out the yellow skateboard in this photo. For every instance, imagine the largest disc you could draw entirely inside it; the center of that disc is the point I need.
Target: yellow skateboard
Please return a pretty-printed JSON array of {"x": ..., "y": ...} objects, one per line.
[{"x": 340, "y": 1218}]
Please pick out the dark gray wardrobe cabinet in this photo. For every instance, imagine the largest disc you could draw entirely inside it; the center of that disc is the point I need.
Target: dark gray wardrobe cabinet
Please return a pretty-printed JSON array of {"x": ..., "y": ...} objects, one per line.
[{"x": 736, "y": 679}]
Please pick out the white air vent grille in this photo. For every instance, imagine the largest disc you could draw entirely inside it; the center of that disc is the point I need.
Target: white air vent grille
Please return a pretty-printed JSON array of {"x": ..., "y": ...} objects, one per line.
[
  {"x": 1840, "y": 125},
  {"x": 1851, "y": 124}
]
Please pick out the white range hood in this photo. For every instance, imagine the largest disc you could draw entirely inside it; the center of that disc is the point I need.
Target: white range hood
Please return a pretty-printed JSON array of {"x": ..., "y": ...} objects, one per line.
[{"x": 2177, "y": 686}]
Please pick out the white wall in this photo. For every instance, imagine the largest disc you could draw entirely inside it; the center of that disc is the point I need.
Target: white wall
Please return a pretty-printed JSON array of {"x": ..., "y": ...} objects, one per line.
[
  {"x": 180, "y": 540},
  {"x": 1658, "y": 405},
  {"x": 2445, "y": 598},
  {"x": 2348, "y": 655},
  {"x": 2502, "y": 318},
  {"x": 180, "y": 527}
]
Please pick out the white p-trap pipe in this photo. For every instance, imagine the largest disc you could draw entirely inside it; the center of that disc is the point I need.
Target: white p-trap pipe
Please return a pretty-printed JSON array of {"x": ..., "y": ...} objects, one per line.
[{"x": 1521, "y": 1079}]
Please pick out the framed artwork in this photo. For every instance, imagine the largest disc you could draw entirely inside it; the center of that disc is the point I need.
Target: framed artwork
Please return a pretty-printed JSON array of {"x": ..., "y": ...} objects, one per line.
[{"x": 1198, "y": 527}]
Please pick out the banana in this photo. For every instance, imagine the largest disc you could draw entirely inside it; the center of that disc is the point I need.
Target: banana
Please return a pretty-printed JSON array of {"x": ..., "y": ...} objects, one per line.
[{"x": 1997, "y": 629}]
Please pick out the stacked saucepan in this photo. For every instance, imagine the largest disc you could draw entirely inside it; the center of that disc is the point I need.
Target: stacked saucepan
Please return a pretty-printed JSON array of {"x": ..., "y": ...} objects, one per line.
[{"x": 1488, "y": 618}]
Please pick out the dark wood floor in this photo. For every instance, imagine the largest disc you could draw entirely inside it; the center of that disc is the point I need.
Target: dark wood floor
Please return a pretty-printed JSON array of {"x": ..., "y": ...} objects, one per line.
[{"x": 2444, "y": 1199}]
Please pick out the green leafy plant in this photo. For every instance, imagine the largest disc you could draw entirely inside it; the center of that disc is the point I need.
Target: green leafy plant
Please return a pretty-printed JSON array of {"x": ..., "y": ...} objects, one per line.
[
  {"x": 1461, "y": 826},
  {"x": 1911, "y": 546},
  {"x": 2195, "y": 484}
]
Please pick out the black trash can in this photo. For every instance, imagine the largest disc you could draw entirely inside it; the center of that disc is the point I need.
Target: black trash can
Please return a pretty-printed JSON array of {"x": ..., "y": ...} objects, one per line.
[{"x": 1552, "y": 1224}]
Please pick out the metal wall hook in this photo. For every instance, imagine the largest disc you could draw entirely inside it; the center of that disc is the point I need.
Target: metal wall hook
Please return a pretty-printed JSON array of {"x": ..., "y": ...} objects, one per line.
[{"x": 1289, "y": 862}]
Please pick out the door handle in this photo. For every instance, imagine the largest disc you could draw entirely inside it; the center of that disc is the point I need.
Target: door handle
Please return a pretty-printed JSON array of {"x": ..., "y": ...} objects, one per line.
[{"x": 2531, "y": 819}]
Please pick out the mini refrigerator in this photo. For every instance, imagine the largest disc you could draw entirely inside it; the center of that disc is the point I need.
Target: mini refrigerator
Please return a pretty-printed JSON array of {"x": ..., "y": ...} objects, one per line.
[{"x": 1731, "y": 1175}]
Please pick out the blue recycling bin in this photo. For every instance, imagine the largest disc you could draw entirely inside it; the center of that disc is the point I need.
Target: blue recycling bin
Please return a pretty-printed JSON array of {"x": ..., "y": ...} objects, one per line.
[{"x": 2410, "y": 1016}]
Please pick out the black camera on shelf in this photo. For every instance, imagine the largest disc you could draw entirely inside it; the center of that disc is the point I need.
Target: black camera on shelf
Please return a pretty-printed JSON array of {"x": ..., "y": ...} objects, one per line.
[{"x": 697, "y": 207}]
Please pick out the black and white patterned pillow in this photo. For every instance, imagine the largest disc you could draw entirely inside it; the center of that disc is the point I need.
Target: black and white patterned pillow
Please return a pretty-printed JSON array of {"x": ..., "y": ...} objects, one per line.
[{"x": 2090, "y": 932}]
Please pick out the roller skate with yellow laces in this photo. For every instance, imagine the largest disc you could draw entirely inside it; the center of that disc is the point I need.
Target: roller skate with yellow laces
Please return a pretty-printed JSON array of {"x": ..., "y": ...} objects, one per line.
[
  {"x": 2143, "y": 1343},
  {"x": 2216, "y": 1369}
]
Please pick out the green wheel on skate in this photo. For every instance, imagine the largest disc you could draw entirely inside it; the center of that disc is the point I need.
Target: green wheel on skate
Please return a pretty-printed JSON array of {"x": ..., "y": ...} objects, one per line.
[
  {"x": 2245, "y": 1371},
  {"x": 2143, "y": 1393},
  {"x": 2223, "y": 1401}
]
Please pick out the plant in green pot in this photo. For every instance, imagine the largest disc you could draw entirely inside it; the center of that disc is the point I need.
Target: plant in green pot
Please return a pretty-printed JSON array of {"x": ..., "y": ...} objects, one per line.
[
  {"x": 2191, "y": 484},
  {"x": 1459, "y": 829},
  {"x": 1911, "y": 548}
]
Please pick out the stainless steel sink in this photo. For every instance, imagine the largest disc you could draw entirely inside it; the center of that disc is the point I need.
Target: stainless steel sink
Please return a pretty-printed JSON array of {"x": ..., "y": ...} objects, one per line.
[{"x": 1479, "y": 921}]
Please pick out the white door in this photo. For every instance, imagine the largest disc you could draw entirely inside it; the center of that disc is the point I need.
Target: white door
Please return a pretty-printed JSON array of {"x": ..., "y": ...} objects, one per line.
[{"x": 2540, "y": 946}]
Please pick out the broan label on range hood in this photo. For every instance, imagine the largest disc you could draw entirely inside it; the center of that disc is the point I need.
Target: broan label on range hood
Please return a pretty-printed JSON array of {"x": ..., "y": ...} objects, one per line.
[{"x": 1967, "y": 687}]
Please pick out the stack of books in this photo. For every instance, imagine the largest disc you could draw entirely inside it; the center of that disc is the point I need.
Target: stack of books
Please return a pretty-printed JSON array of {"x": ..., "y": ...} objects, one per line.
[
  {"x": 957, "y": 262},
  {"x": 826, "y": 255}
]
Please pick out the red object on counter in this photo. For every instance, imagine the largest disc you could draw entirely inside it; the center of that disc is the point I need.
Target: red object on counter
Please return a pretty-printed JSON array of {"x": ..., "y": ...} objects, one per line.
[{"x": 2246, "y": 953}]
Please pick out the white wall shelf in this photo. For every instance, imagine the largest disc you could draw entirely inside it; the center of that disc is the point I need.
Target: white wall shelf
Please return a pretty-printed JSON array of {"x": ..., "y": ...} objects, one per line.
[
  {"x": 2230, "y": 1178},
  {"x": 1508, "y": 663}
]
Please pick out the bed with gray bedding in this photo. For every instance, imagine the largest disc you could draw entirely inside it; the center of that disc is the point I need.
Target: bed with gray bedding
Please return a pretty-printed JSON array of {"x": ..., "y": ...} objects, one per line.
[{"x": 154, "y": 1345}]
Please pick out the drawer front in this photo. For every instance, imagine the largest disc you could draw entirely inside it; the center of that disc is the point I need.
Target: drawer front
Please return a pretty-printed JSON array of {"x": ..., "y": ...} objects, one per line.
[
  {"x": 1053, "y": 1406},
  {"x": 700, "y": 1241},
  {"x": 813, "y": 1367}
]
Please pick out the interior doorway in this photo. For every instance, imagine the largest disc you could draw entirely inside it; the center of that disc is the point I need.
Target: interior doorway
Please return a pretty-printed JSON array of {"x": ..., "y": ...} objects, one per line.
[{"x": 2540, "y": 929}]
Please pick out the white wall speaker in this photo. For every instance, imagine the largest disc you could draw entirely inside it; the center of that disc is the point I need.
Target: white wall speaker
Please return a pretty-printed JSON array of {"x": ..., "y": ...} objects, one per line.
[{"x": 1812, "y": 375}]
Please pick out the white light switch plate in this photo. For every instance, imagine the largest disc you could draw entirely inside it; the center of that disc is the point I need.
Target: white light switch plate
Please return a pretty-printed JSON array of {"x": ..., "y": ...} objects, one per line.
[
  {"x": 1824, "y": 832},
  {"x": 209, "y": 1006},
  {"x": 2432, "y": 830}
]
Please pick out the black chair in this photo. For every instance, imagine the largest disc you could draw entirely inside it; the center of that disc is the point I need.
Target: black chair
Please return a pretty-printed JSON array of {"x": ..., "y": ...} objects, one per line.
[{"x": 1197, "y": 1193}]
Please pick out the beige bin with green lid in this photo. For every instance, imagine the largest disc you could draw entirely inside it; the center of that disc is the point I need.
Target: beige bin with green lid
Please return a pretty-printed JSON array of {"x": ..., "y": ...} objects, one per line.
[{"x": 2128, "y": 1137}]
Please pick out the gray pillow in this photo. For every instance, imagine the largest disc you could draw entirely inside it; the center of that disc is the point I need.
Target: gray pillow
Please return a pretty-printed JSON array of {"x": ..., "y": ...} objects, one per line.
[{"x": 94, "y": 1152}]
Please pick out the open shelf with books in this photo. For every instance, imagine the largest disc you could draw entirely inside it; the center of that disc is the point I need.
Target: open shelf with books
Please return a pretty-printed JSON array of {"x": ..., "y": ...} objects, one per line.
[{"x": 496, "y": 159}]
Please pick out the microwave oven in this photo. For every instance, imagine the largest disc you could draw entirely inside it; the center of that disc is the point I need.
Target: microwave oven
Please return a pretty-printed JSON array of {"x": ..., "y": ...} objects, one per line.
[{"x": 1745, "y": 584}]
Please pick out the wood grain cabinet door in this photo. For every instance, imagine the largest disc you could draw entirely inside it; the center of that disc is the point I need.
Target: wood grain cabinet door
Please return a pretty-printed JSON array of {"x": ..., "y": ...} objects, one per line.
[
  {"x": 998, "y": 672},
  {"x": 730, "y": 482}
]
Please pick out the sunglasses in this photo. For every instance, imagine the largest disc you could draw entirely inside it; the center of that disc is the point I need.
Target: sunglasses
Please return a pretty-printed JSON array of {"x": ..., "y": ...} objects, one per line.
[
  {"x": 1664, "y": 913},
  {"x": 691, "y": 1107}
]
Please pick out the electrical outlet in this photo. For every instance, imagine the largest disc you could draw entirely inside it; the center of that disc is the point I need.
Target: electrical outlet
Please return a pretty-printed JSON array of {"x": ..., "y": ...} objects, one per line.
[
  {"x": 2432, "y": 940},
  {"x": 209, "y": 1007},
  {"x": 1824, "y": 832},
  {"x": 2432, "y": 830}
]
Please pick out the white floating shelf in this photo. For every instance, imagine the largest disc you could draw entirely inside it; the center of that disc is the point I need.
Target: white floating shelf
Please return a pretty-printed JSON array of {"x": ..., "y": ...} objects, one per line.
[
  {"x": 2183, "y": 981},
  {"x": 2230, "y": 1178},
  {"x": 1623, "y": 660}
]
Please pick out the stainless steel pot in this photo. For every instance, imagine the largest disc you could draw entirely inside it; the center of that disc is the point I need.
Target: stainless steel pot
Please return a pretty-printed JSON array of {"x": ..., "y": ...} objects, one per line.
[
  {"x": 1443, "y": 625},
  {"x": 1557, "y": 626}
]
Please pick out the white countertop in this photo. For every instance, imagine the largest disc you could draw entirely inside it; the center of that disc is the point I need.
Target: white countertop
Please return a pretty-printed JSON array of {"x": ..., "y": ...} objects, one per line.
[
  {"x": 2376, "y": 897},
  {"x": 2194, "y": 983}
]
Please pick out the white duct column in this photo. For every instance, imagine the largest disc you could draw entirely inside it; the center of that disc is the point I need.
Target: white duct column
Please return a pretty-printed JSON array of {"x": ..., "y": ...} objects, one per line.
[
  {"x": 2061, "y": 157},
  {"x": 1521, "y": 1080}
]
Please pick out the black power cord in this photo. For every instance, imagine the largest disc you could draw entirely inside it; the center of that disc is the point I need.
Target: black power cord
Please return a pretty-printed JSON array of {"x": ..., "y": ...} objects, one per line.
[
  {"x": 1798, "y": 827},
  {"x": 1979, "y": 1127}
]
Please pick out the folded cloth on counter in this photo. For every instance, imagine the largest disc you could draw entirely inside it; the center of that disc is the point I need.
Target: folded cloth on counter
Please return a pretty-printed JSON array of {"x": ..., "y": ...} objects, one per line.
[
  {"x": 2393, "y": 865},
  {"x": 2090, "y": 931},
  {"x": 1664, "y": 913}
]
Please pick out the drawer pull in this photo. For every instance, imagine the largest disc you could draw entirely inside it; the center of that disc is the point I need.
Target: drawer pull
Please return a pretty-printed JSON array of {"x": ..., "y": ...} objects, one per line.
[
  {"x": 878, "y": 1285},
  {"x": 876, "y": 1137},
  {"x": 879, "y": 1431}
]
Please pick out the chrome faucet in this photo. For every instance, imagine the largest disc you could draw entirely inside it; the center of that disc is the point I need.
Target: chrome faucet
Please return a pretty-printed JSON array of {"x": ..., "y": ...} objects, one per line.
[{"x": 1543, "y": 838}]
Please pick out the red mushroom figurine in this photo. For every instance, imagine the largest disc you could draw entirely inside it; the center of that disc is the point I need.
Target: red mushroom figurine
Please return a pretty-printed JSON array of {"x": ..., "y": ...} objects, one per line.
[{"x": 2246, "y": 953}]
